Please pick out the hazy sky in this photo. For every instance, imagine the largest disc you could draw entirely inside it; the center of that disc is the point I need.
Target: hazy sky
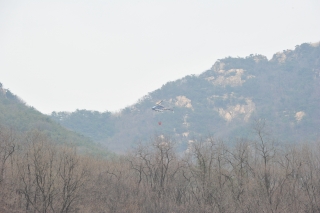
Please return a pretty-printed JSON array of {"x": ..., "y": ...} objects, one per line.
[{"x": 64, "y": 55}]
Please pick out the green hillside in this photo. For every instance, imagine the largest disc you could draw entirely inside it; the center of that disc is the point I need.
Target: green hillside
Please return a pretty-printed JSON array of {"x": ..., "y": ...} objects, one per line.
[
  {"x": 15, "y": 114},
  {"x": 223, "y": 101}
]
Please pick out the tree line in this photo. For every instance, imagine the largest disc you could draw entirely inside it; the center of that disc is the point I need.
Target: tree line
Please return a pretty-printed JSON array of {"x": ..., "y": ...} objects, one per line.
[{"x": 250, "y": 176}]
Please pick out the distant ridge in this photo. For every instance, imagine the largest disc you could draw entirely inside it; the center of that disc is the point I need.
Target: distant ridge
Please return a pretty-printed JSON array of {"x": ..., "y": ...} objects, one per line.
[{"x": 222, "y": 101}]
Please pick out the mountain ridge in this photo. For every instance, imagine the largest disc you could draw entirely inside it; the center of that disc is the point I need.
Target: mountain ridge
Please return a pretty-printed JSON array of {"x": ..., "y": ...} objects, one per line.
[{"x": 223, "y": 101}]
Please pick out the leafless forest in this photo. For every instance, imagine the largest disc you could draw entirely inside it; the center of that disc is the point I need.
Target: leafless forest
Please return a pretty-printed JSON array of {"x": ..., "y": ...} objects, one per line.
[{"x": 251, "y": 176}]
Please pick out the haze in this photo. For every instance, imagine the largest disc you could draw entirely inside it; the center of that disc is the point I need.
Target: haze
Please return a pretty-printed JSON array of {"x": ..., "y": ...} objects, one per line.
[{"x": 105, "y": 55}]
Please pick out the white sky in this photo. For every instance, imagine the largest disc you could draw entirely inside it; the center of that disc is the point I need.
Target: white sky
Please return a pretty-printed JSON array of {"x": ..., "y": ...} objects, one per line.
[{"x": 64, "y": 55}]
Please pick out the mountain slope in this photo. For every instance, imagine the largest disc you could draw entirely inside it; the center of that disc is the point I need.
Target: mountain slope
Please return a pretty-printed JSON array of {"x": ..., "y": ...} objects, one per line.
[
  {"x": 223, "y": 101},
  {"x": 16, "y": 115}
]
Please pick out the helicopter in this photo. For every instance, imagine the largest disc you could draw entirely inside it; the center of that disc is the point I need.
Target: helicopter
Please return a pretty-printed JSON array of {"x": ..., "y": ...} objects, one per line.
[{"x": 159, "y": 108}]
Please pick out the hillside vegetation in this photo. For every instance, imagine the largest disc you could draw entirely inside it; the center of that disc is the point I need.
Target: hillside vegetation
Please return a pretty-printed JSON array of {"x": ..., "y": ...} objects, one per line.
[
  {"x": 223, "y": 102},
  {"x": 211, "y": 177},
  {"x": 16, "y": 115}
]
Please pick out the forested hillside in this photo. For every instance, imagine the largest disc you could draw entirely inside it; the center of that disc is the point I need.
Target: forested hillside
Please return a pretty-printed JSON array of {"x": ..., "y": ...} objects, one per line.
[
  {"x": 210, "y": 177},
  {"x": 16, "y": 115},
  {"x": 222, "y": 101},
  {"x": 180, "y": 160}
]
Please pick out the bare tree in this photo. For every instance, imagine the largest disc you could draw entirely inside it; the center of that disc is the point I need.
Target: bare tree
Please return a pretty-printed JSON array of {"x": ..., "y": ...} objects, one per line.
[
  {"x": 51, "y": 177},
  {"x": 38, "y": 173},
  {"x": 7, "y": 147},
  {"x": 73, "y": 174}
]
